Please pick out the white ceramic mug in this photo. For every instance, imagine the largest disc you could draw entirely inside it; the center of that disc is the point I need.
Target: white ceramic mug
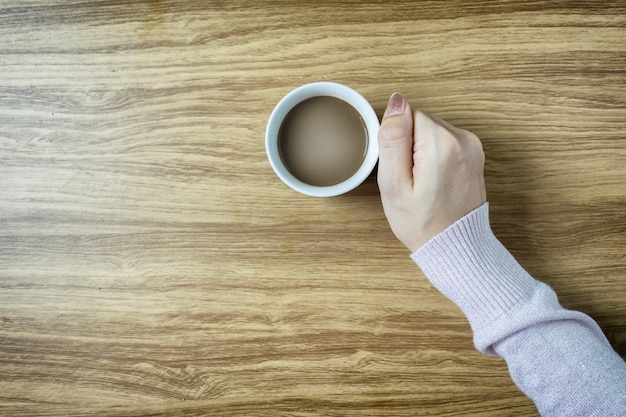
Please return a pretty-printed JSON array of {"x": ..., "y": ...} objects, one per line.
[{"x": 317, "y": 89}]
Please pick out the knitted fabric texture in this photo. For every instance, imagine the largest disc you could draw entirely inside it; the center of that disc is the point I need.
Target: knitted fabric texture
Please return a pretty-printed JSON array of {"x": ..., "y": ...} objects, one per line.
[{"x": 558, "y": 357}]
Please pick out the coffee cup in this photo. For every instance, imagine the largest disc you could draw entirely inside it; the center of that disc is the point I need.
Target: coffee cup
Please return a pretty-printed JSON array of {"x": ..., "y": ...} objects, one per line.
[{"x": 322, "y": 139}]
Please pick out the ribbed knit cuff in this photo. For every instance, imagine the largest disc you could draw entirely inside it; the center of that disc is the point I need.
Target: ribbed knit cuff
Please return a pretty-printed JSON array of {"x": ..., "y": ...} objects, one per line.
[{"x": 469, "y": 265}]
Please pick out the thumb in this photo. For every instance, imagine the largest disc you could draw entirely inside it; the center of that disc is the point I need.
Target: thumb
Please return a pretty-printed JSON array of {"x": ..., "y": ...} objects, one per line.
[{"x": 395, "y": 142}]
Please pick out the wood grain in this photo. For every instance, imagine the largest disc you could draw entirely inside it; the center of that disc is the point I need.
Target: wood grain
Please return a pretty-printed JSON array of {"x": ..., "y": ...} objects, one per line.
[{"x": 151, "y": 263}]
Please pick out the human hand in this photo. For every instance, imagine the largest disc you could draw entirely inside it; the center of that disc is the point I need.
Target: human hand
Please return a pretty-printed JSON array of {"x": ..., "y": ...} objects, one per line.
[{"x": 430, "y": 173}]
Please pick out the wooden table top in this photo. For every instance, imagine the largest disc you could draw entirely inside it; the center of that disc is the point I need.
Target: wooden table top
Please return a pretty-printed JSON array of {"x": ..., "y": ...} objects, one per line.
[{"x": 151, "y": 263}]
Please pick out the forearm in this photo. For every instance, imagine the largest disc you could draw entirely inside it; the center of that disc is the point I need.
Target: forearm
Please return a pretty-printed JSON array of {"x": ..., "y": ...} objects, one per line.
[
  {"x": 519, "y": 318},
  {"x": 566, "y": 369}
]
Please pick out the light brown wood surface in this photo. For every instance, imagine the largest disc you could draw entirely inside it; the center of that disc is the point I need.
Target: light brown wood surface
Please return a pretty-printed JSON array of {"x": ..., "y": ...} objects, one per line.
[{"x": 151, "y": 263}]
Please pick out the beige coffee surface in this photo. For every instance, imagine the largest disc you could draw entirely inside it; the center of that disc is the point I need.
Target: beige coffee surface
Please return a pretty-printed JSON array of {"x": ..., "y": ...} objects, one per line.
[
  {"x": 323, "y": 141},
  {"x": 151, "y": 262}
]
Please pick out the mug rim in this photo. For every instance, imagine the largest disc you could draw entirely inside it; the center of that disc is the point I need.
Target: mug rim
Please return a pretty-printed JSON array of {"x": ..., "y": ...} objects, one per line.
[{"x": 316, "y": 89}]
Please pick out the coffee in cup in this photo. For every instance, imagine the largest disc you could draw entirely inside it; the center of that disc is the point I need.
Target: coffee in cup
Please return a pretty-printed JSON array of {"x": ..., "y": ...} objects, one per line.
[{"x": 321, "y": 139}]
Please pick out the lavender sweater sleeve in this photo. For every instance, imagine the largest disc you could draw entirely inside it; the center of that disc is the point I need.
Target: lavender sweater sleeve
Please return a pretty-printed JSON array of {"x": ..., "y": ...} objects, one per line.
[{"x": 559, "y": 358}]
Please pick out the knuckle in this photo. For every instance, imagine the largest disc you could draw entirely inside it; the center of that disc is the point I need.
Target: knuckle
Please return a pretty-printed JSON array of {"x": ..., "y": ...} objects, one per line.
[
  {"x": 390, "y": 134},
  {"x": 476, "y": 147},
  {"x": 418, "y": 114}
]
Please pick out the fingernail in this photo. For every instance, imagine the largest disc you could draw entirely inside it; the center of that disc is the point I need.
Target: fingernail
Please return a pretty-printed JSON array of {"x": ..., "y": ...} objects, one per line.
[{"x": 396, "y": 104}]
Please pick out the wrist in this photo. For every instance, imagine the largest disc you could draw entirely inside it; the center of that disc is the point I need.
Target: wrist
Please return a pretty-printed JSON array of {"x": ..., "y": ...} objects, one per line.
[{"x": 469, "y": 265}]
